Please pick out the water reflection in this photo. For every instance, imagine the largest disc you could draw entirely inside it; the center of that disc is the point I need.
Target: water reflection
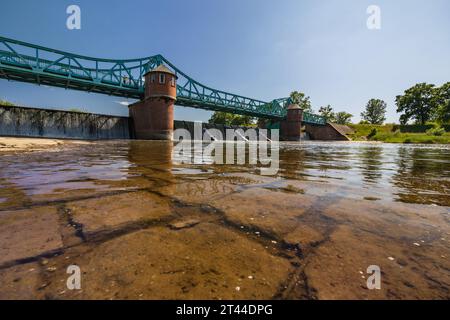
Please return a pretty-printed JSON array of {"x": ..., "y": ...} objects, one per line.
[
  {"x": 371, "y": 163},
  {"x": 414, "y": 174},
  {"x": 423, "y": 175}
]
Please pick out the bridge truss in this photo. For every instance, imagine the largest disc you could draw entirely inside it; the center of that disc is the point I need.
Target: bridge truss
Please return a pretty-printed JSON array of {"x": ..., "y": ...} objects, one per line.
[{"x": 21, "y": 61}]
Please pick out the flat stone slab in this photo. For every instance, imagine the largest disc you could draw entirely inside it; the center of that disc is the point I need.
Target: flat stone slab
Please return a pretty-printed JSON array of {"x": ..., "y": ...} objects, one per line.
[
  {"x": 184, "y": 224},
  {"x": 28, "y": 233},
  {"x": 115, "y": 211},
  {"x": 205, "y": 262}
]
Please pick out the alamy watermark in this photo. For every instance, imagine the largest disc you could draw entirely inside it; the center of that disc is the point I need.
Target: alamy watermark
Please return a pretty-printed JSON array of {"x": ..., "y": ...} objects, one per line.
[
  {"x": 74, "y": 280},
  {"x": 209, "y": 146},
  {"x": 374, "y": 280},
  {"x": 74, "y": 19},
  {"x": 374, "y": 19}
]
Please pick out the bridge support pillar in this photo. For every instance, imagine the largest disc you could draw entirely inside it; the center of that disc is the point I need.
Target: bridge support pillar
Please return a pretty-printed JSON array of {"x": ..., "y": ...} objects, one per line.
[
  {"x": 292, "y": 125},
  {"x": 152, "y": 117}
]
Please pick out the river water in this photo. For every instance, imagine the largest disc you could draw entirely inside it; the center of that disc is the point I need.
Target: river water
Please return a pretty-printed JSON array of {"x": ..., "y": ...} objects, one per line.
[{"x": 142, "y": 225}]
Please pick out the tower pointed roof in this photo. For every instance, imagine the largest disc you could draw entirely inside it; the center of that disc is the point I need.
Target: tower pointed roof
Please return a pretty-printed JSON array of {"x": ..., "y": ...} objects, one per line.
[
  {"x": 293, "y": 107},
  {"x": 162, "y": 68}
]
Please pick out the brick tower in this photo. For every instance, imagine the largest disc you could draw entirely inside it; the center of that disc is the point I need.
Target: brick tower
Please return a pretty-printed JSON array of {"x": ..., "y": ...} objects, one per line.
[
  {"x": 291, "y": 126},
  {"x": 153, "y": 116}
]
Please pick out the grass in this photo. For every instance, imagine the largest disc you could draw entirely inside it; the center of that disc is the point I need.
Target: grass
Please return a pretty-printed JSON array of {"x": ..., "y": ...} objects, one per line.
[{"x": 385, "y": 133}]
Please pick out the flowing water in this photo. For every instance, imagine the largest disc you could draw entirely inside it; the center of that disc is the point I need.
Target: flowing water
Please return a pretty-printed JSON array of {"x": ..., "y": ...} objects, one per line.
[{"x": 141, "y": 225}]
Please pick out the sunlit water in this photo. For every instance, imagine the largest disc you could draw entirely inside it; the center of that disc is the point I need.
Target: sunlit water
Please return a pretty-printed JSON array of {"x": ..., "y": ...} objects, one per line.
[
  {"x": 324, "y": 196},
  {"x": 409, "y": 173}
]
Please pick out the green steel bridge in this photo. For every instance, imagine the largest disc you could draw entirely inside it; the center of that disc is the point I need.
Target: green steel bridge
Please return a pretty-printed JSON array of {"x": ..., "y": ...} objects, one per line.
[{"x": 21, "y": 61}]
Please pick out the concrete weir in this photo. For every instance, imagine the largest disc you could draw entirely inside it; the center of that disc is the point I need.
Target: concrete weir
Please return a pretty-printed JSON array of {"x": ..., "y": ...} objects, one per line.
[{"x": 33, "y": 122}]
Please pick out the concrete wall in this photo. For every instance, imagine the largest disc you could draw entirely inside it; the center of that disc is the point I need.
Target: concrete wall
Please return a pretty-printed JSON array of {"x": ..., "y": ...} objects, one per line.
[
  {"x": 330, "y": 132},
  {"x": 325, "y": 132},
  {"x": 189, "y": 126},
  {"x": 31, "y": 122}
]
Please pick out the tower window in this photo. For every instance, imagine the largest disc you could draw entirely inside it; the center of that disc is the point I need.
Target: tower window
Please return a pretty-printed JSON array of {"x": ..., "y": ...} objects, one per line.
[
  {"x": 152, "y": 78},
  {"x": 162, "y": 78},
  {"x": 172, "y": 82}
]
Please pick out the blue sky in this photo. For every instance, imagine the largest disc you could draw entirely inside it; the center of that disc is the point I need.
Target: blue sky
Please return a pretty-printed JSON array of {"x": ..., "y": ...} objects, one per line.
[{"x": 260, "y": 49}]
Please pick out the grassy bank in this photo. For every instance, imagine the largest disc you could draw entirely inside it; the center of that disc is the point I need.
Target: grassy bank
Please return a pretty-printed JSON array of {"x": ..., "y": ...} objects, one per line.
[{"x": 387, "y": 133}]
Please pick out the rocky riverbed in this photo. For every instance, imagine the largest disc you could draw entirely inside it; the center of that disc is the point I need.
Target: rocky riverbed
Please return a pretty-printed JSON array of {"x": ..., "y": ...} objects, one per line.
[{"x": 139, "y": 225}]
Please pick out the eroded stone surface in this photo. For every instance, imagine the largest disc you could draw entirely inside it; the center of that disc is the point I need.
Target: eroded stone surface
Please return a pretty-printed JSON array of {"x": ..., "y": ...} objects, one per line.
[
  {"x": 203, "y": 262},
  {"x": 28, "y": 233},
  {"x": 118, "y": 210},
  {"x": 20, "y": 282},
  {"x": 414, "y": 273}
]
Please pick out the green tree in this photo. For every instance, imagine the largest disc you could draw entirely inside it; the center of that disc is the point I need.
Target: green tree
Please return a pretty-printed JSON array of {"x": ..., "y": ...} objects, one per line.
[
  {"x": 78, "y": 110},
  {"x": 245, "y": 121},
  {"x": 229, "y": 119},
  {"x": 6, "y": 103},
  {"x": 443, "y": 98},
  {"x": 327, "y": 113},
  {"x": 221, "y": 118},
  {"x": 302, "y": 100},
  {"x": 261, "y": 122},
  {"x": 375, "y": 112},
  {"x": 418, "y": 103},
  {"x": 343, "y": 117}
]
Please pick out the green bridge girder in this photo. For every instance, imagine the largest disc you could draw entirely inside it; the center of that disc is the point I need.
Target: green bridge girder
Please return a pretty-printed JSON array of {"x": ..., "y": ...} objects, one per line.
[{"x": 21, "y": 61}]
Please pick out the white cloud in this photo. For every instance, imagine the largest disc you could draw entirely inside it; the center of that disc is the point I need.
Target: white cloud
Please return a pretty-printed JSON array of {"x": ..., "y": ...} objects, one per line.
[{"x": 123, "y": 103}]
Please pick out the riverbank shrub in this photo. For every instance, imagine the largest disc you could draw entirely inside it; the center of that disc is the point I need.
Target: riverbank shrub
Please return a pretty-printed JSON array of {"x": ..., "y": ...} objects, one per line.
[
  {"x": 372, "y": 133},
  {"x": 414, "y": 128},
  {"x": 436, "y": 131},
  {"x": 392, "y": 134}
]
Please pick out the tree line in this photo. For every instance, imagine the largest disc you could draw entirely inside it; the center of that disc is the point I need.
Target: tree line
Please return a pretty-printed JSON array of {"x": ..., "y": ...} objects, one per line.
[{"x": 419, "y": 104}]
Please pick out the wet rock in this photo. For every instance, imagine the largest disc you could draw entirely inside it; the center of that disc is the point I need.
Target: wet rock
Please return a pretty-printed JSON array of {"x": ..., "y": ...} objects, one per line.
[
  {"x": 371, "y": 198},
  {"x": 184, "y": 224}
]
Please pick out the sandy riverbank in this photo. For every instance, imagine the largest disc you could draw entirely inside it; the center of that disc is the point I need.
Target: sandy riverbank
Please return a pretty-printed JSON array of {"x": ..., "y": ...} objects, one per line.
[{"x": 13, "y": 144}]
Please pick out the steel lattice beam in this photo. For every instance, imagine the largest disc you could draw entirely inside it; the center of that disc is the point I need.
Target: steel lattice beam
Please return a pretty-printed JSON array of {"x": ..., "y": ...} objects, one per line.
[{"x": 124, "y": 78}]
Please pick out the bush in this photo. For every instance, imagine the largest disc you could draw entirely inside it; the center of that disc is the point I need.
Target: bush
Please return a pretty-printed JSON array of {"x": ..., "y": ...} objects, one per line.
[
  {"x": 407, "y": 140},
  {"x": 436, "y": 131},
  {"x": 372, "y": 133},
  {"x": 414, "y": 128}
]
